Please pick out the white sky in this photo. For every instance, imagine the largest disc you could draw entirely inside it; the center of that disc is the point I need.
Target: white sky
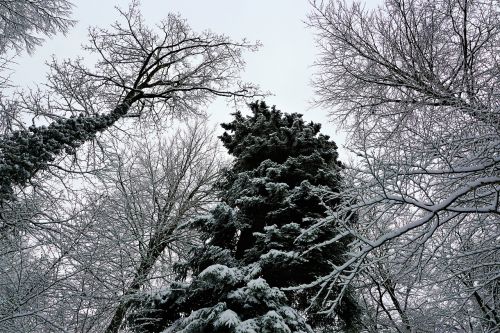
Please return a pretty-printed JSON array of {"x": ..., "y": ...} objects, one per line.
[{"x": 283, "y": 65}]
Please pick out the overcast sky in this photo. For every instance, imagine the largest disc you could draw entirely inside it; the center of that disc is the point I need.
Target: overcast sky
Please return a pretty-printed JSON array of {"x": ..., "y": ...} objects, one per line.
[{"x": 283, "y": 65}]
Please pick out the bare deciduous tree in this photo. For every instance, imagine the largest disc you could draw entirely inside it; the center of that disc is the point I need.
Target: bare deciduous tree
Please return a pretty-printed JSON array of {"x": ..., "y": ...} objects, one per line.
[
  {"x": 140, "y": 72},
  {"x": 157, "y": 190},
  {"x": 415, "y": 84},
  {"x": 74, "y": 259},
  {"x": 116, "y": 234},
  {"x": 23, "y": 22}
]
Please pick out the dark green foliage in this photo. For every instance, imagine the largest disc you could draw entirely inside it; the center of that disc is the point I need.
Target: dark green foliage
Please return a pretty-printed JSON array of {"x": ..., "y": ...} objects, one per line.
[
  {"x": 25, "y": 152},
  {"x": 269, "y": 134},
  {"x": 285, "y": 179}
]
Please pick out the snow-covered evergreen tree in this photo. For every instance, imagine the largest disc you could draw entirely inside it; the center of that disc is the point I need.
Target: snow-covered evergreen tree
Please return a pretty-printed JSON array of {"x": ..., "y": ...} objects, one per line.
[{"x": 285, "y": 179}]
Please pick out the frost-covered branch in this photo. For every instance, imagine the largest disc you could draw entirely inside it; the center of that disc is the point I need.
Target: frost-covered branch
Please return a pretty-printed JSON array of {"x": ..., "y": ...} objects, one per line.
[
  {"x": 415, "y": 84},
  {"x": 150, "y": 74}
]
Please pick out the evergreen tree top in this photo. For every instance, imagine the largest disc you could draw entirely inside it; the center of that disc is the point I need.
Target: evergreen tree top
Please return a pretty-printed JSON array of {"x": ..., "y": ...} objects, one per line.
[{"x": 269, "y": 134}]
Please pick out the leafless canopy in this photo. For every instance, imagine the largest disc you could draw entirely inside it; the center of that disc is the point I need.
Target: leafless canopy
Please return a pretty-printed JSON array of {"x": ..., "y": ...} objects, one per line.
[
  {"x": 149, "y": 74},
  {"x": 77, "y": 244},
  {"x": 23, "y": 22},
  {"x": 416, "y": 85},
  {"x": 169, "y": 70}
]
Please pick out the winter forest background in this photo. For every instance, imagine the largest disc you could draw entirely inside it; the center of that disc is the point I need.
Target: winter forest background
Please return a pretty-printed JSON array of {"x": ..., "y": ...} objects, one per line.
[{"x": 124, "y": 209}]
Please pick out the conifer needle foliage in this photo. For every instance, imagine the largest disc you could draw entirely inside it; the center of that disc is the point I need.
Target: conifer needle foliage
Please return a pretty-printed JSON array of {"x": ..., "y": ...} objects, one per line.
[{"x": 284, "y": 180}]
